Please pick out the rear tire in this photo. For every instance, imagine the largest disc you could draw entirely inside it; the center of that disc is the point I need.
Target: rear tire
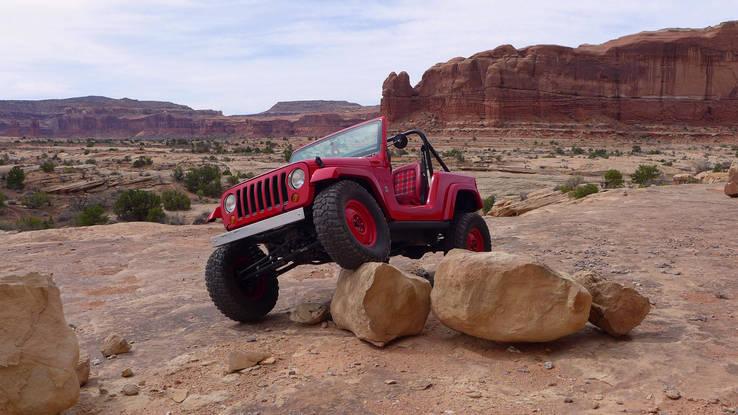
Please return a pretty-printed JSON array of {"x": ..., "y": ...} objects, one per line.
[
  {"x": 240, "y": 301},
  {"x": 350, "y": 225},
  {"x": 468, "y": 231}
]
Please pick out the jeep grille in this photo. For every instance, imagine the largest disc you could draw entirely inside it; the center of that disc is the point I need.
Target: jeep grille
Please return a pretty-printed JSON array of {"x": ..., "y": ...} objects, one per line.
[{"x": 262, "y": 194}]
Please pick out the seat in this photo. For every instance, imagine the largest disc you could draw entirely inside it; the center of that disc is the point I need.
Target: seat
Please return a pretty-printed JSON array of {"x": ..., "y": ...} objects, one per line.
[{"x": 407, "y": 181}]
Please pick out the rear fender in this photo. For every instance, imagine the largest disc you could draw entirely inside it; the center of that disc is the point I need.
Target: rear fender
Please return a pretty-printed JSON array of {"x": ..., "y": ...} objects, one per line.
[
  {"x": 453, "y": 193},
  {"x": 217, "y": 214}
]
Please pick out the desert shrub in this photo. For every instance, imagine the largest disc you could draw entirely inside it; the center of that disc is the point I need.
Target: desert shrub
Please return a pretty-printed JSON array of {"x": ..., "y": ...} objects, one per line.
[
  {"x": 636, "y": 149},
  {"x": 32, "y": 223},
  {"x": 487, "y": 203},
  {"x": 142, "y": 161},
  {"x": 3, "y": 201},
  {"x": 48, "y": 166},
  {"x": 175, "y": 200},
  {"x": 37, "y": 200},
  {"x": 178, "y": 174},
  {"x": 92, "y": 215},
  {"x": 600, "y": 152},
  {"x": 5, "y": 159},
  {"x": 232, "y": 180},
  {"x": 269, "y": 148},
  {"x": 205, "y": 180},
  {"x": 577, "y": 150},
  {"x": 721, "y": 166},
  {"x": 156, "y": 215},
  {"x": 645, "y": 174},
  {"x": 247, "y": 175},
  {"x": 138, "y": 205},
  {"x": 90, "y": 161},
  {"x": 456, "y": 154},
  {"x": 15, "y": 178},
  {"x": 570, "y": 184},
  {"x": 584, "y": 190},
  {"x": 287, "y": 152},
  {"x": 613, "y": 179}
]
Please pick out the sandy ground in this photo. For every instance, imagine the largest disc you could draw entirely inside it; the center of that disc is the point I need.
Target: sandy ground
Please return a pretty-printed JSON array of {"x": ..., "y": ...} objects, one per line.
[{"x": 677, "y": 244}]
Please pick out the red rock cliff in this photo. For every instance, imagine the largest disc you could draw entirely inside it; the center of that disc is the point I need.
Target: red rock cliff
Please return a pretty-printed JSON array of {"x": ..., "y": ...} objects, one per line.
[{"x": 667, "y": 76}]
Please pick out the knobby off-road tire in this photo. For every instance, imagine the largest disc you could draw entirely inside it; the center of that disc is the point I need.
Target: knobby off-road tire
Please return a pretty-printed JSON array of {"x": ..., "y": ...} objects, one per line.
[
  {"x": 239, "y": 301},
  {"x": 468, "y": 231},
  {"x": 350, "y": 225}
]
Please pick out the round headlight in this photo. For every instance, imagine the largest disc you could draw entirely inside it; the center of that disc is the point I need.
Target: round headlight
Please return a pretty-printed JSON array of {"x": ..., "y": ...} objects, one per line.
[
  {"x": 230, "y": 203},
  {"x": 297, "y": 178}
]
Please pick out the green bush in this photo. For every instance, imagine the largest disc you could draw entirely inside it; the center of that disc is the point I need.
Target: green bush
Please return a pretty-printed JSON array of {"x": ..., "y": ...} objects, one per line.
[
  {"x": 48, "y": 166},
  {"x": 204, "y": 180},
  {"x": 636, "y": 149},
  {"x": 37, "y": 200},
  {"x": 570, "y": 184},
  {"x": 142, "y": 161},
  {"x": 32, "y": 223},
  {"x": 92, "y": 215},
  {"x": 287, "y": 153},
  {"x": 613, "y": 179},
  {"x": 599, "y": 153},
  {"x": 175, "y": 200},
  {"x": 645, "y": 175},
  {"x": 178, "y": 174},
  {"x": 232, "y": 180},
  {"x": 584, "y": 190},
  {"x": 3, "y": 200},
  {"x": 577, "y": 150},
  {"x": 156, "y": 215},
  {"x": 487, "y": 204},
  {"x": 137, "y": 205},
  {"x": 456, "y": 154},
  {"x": 15, "y": 178}
]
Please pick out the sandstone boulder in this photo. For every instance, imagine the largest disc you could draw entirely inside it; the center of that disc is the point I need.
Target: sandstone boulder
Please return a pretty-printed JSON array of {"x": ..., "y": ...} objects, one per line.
[
  {"x": 535, "y": 200},
  {"x": 505, "y": 297},
  {"x": 684, "y": 179},
  {"x": 239, "y": 360},
  {"x": 711, "y": 177},
  {"x": 731, "y": 188},
  {"x": 379, "y": 303},
  {"x": 83, "y": 368},
  {"x": 114, "y": 344},
  {"x": 38, "y": 350},
  {"x": 310, "y": 313},
  {"x": 616, "y": 309}
]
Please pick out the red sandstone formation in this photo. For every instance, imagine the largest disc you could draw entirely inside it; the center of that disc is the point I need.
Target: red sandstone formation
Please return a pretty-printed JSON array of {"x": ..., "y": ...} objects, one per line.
[
  {"x": 670, "y": 76},
  {"x": 124, "y": 118}
]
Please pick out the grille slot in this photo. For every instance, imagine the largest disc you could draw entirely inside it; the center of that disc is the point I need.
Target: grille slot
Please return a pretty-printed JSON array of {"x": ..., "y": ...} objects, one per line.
[{"x": 261, "y": 195}]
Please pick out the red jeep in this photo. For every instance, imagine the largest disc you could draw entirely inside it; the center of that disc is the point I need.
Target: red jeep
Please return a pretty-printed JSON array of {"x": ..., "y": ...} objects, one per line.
[{"x": 338, "y": 200}]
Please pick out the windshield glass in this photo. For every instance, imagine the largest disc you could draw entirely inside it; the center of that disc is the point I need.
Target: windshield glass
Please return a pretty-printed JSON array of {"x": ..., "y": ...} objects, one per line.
[{"x": 360, "y": 141}]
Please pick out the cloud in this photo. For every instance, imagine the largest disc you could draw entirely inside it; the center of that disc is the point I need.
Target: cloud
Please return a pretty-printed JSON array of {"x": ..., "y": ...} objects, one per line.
[{"x": 243, "y": 55}]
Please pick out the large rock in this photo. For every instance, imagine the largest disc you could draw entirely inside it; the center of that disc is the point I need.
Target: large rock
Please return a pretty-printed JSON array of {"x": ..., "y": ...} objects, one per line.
[
  {"x": 379, "y": 303},
  {"x": 506, "y": 297},
  {"x": 616, "y": 309},
  {"x": 711, "y": 177},
  {"x": 38, "y": 350},
  {"x": 535, "y": 200},
  {"x": 310, "y": 313},
  {"x": 731, "y": 188},
  {"x": 671, "y": 76}
]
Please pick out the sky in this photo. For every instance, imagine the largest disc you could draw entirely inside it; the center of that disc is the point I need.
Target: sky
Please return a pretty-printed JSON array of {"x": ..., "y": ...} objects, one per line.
[{"x": 242, "y": 56}]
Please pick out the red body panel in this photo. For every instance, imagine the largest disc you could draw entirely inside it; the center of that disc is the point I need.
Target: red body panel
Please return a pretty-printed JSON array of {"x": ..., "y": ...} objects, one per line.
[{"x": 375, "y": 171}]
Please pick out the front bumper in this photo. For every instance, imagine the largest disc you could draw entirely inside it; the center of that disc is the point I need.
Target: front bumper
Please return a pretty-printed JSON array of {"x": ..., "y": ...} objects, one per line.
[{"x": 262, "y": 226}]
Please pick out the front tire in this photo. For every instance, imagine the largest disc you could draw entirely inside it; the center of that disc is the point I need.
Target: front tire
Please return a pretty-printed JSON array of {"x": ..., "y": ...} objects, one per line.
[
  {"x": 468, "y": 231},
  {"x": 350, "y": 225},
  {"x": 241, "y": 301}
]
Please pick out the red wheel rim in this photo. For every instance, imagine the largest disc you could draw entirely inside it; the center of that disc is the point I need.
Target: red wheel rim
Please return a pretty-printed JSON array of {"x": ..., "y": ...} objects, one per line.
[
  {"x": 361, "y": 222},
  {"x": 475, "y": 240}
]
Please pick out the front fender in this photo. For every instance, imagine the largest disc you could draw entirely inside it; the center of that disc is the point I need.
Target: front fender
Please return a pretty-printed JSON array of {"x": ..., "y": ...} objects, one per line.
[
  {"x": 217, "y": 214},
  {"x": 326, "y": 173}
]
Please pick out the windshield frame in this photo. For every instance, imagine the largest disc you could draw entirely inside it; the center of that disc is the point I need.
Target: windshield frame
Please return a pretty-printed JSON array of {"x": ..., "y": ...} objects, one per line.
[{"x": 381, "y": 133}]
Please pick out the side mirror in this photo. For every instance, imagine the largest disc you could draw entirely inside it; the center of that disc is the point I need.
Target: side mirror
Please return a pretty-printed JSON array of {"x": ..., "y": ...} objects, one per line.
[{"x": 400, "y": 141}]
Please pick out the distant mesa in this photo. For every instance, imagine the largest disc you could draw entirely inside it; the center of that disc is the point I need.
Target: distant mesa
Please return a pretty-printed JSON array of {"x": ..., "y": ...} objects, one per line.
[
  {"x": 670, "y": 76},
  {"x": 103, "y": 117},
  {"x": 311, "y": 106}
]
